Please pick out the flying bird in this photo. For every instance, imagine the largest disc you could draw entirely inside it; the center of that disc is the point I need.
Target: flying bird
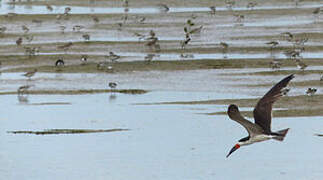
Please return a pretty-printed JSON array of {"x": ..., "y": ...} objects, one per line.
[{"x": 261, "y": 129}]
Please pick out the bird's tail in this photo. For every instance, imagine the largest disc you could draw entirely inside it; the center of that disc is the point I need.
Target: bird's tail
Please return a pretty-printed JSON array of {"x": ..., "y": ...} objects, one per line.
[{"x": 280, "y": 135}]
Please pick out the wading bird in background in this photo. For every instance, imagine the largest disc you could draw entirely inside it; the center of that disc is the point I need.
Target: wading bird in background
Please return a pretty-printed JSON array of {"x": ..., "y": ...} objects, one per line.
[{"x": 261, "y": 129}]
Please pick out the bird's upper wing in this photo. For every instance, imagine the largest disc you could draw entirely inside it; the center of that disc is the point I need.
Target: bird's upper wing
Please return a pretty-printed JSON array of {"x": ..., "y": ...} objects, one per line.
[
  {"x": 234, "y": 114},
  {"x": 262, "y": 111}
]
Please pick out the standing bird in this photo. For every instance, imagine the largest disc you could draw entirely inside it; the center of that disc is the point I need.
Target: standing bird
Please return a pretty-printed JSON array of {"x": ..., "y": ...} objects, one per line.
[
  {"x": 30, "y": 73},
  {"x": 84, "y": 59},
  {"x": 163, "y": 7},
  {"x": 213, "y": 10},
  {"x": 25, "y": 29},
  {"x": 19, "y": 41},
  {"x": 113, "y": 57},
  {"x": 300, "y": 64},
  {"x": 261, "y": 129},
  {"x": 49, "y": 7},
  {"x": 112, "y": 85},
  {"x": 311, "y": 91}
]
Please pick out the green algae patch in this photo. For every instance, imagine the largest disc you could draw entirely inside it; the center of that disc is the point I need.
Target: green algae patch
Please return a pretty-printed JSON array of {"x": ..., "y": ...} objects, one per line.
[{"x": 67, "y": 131}]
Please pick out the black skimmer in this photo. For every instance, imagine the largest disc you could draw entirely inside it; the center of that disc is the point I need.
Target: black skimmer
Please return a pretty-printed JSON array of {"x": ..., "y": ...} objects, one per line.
[
  {"x": 261, "y": 129},
  {"x": 311, "y": 91},
  {"x": 30, "y": 73}
]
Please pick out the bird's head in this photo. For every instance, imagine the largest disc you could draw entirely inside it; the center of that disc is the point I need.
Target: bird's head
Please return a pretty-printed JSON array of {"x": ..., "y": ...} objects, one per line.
[{"x": 235, "y": 147}]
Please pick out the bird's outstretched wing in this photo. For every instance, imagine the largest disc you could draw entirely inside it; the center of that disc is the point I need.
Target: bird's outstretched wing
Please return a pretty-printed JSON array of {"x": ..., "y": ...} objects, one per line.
[
  {"x": 262, "y": 111},
  {"x": 234, "y": 114}
]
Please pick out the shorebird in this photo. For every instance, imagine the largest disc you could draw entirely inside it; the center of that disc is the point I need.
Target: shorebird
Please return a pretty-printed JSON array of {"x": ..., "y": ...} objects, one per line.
[
  {"x": 275, "y": 64},
  {"x": 113, "y": 57},
  {"x": 163, "y": 7},
  {"x": 300, "y": 42},
  {"x": 261, "y": 129},
  {"x": 292, "y": 53},
  {"x": 49, "y": 7},
  {"x": 317, "y": 11},
  {"x": 300, "y": 64},
  {"x": 77, "y": 28},
  {"x": 37, "y": 21},
  {"x": 225, "y": 48},
  {"x": 29, "y": 38},
  {"x": 30, "y": 73},
  {"x": 112, "y": 85},
  {"x": 95, "y": 19},
  {"x": 288, "y": 36},
  {"x": 86, "y": 37},
  {"x": 239, "y": 18},
  {"x": 62, "y": 28},
  {"x": 186, "y": 41},
  {"x": 19, "y": 41},
  {"x": 67, "y": 10},
  {"x": 25, "y": 29},
  {"x": 213, "y": 10},
  {"x": 196, "y": 30},
  {"x": 321, "y": 79},
  {"x": 251, "y": 5},
  {"x": 125, "y": 3},
  {"x": 285, "y": 91},
  {"x": 311, "y": 91},
  {"x": 140, "y": 36},
  {"x": 140, "y": 20},
  {"x": 2, "y": 29},
  {"x": 84, "y": 59},
  {"x": 229, "y": 4},
  {"x": 60, "y": 62},
  {"x": 24, "y": 88},
  {"x": 149, "y": 57},
  {"x": 272, "y": 44},
  {"x": 66, "y": 46}
]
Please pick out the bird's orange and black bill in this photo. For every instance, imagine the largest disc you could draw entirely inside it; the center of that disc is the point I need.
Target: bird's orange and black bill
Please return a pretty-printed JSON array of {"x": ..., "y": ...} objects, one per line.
[{"x": 235, "y": 147}]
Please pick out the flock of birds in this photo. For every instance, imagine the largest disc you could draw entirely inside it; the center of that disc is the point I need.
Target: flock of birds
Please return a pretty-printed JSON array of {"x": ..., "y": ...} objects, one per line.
[{"x": 152, "y": 41}]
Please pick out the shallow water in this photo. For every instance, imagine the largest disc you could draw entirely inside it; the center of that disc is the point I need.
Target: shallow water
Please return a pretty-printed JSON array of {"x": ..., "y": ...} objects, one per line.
[
  {"x": 164, "y": 141},
  {"x": 28, "y": 9}
]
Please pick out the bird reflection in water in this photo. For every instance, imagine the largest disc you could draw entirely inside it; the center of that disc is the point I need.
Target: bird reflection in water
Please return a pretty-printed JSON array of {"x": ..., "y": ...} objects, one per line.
[{"x": 112, "y": 97}]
